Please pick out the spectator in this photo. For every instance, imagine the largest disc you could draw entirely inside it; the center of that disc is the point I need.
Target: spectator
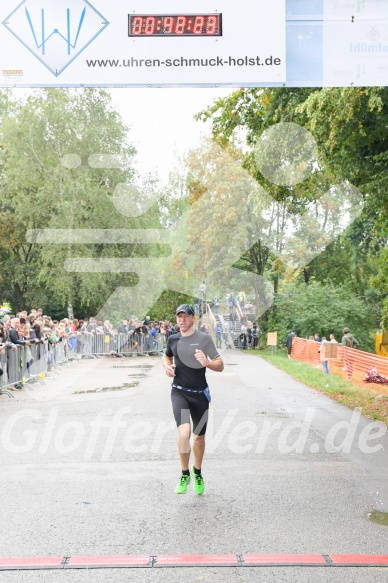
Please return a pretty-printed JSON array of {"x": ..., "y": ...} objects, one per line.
[
  {"x": 242, "y": 298},
  {"x": 249, "y": 337},
  {"x": 218, "y": 332},
  {"x": 140, "y": 334},
  {"x": 348, "y": 339},
  {"x": 242, "y": 340},
  {"x": 110, "y": 336},
  {"x": 153, "y": 334},
  {"x": 1, "y": 370},
  {"x": 147, "y": 321},
  {"x": 231, "y": 301},
  {"x": 225, "y": 332},
  {"x": 13, "y": 332},
  {"x": 233, "y": 318},
  {"x": 216, "y": 304},
  {"x": 289, "y": 338},
  {"x": 131, "y": 325},
  {"x": 324, "y": 361},
  {"x": 24, "y": 328},
  {"x": 35, "y": 332},
  {"x": 78, "y": 334},
  {"x": 83, "y": 336},
  {"x": 255, "y": 335},
  {"x": 123, "y": 327},
  {"x": 100, "y": 327},
  {"x": 46, "y": 335},
  {"x": 6, "y": 327}
]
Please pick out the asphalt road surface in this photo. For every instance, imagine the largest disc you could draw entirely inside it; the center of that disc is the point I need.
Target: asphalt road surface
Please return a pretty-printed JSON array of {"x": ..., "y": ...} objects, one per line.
[{"x": 89, "y": 466}]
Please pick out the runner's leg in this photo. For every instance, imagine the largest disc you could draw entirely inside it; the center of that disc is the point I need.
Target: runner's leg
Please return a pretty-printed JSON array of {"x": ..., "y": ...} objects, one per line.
[
  {"x": 198, "y": 450},
  {"x": 181, "y": 410},
  {"x": 184, "y": 432},
  {"x": 200, "y": 414}
]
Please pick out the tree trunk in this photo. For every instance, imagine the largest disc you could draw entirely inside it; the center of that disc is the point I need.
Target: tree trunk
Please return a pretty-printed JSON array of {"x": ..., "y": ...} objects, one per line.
[
  {"x": 70, "y": 313},
  {"x": 306, "y": 275}
]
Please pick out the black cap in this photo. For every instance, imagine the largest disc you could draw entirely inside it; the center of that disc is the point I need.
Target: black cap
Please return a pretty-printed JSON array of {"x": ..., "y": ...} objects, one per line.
[{"x": 187, "y": 309}]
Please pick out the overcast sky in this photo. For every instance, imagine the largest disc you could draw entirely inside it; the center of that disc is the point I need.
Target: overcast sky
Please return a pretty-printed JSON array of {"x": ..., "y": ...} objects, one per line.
[{"x": 162, "y": 124}]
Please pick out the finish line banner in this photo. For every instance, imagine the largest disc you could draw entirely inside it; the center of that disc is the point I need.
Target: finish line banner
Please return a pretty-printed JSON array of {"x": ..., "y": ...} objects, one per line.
[{"x": 142, "y": 42}]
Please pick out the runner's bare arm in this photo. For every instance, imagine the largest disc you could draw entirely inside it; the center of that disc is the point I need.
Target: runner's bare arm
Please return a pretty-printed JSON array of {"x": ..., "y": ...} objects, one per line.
[
  {"x": 216, "y": 364},
  {"x": 168, "y": 365}
]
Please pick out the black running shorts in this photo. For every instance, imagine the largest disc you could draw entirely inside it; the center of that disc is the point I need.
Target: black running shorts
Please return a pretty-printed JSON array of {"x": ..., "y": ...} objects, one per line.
[{"x": 186, "y": 404}]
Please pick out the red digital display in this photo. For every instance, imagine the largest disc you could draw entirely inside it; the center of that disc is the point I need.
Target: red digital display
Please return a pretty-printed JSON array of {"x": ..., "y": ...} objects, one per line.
[{"x": 143, "y": 25}]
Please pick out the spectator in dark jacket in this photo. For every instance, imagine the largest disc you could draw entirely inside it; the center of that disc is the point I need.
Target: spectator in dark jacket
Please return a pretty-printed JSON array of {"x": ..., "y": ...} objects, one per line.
[
  {"x": 290, "y": 336},
  {"x": 13, "y": 332},
  {"x": 348, "y": 339}
]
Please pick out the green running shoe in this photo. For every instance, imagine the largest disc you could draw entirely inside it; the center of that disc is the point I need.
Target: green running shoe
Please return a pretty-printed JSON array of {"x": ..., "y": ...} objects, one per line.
[
  {"x": 181, "y": 486},
  {"x": 198, "y": 484}
]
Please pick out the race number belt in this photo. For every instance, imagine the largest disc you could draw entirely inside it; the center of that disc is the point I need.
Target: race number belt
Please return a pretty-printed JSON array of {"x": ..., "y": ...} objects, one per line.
[{"x": 185, "y": 389}]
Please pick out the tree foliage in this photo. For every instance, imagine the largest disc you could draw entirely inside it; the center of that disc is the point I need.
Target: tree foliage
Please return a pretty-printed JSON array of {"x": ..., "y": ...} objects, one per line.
[
  {"x": 324, "y": 309},
  {"x": 350, "y": 128},
  {"x": 48, "y": 182}
]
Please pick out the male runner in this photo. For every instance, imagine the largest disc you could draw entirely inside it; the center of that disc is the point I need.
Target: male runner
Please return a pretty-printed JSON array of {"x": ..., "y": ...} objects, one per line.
[{"x": 188, "y": 354}]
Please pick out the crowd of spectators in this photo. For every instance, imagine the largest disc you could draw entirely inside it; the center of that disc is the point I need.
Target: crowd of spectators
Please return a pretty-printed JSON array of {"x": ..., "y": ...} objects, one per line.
[
  {"x": 93, "y": 336},
  {"x": 87, "y": 336},
  {"x": 236, "y": 322},
  {"x": 27, "y": 328}
]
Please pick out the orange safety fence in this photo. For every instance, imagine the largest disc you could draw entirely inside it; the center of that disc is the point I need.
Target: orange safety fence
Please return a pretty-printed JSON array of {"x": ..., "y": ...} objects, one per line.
[{"x": 351, "y": 364}]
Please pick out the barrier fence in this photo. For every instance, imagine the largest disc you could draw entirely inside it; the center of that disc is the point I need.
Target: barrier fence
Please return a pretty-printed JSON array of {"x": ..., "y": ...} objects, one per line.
[
  {"x": 24, "y": 365},
  {"x": 351, "y": 364},
  {"x": 124, "y": 344}
]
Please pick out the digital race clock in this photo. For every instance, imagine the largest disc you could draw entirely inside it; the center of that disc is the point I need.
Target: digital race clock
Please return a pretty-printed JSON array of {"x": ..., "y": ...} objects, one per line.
[{"x": 175, "y": 25}]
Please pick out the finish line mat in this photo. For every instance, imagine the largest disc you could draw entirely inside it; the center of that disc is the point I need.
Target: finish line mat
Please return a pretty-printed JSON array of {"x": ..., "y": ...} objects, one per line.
[{"x": 163, "y": 561}]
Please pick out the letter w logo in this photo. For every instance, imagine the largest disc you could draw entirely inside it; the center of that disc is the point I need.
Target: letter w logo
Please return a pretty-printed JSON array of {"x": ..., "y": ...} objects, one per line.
[
  {"x": 55, "y": 32},
  {"x": 44, "y": 38}
]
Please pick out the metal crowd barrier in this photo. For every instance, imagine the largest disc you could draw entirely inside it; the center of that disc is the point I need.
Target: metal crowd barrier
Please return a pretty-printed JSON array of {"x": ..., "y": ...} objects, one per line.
[
  {"x": 16, "y": 364},
  {"x": 4, "y": 376},
  {"x": 24, "y": 365},
  {"x": 120, "y": 344}
]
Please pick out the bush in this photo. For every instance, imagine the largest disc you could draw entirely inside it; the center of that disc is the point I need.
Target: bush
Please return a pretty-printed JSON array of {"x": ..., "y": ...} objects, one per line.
[{"x": 322, "y": 309}]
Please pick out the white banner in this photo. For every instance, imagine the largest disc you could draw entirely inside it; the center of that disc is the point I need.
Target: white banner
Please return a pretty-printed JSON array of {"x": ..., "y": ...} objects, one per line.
[
  {"x": 142, "y": 42},
  {"x": 355, "y": 53}
]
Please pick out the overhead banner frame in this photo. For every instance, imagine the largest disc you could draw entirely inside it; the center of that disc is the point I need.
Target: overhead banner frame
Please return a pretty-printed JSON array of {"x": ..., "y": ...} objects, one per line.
[
  {"x": 190, "y": 43},
  {"x": 142, "y": 42}
]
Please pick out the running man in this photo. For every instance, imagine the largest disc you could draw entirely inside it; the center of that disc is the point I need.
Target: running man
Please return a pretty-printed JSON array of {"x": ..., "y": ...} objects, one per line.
[{"x": 188, "y": 354}]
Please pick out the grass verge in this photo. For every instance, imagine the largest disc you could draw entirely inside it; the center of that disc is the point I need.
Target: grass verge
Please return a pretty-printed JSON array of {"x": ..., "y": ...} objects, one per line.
[{"x": 373, "y": 406}]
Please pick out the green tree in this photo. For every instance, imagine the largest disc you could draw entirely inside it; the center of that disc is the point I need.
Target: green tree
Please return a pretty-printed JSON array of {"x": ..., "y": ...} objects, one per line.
[
  {"x": 324, "y": 309},
  {"x": 350, "y": 127},
  {"x": 48, "y": 182},
  {"x": 380, "y": 282}
]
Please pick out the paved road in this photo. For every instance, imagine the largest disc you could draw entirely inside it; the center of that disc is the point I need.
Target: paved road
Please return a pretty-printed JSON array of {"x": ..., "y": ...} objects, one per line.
[{"x": 93, "y": 473}]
